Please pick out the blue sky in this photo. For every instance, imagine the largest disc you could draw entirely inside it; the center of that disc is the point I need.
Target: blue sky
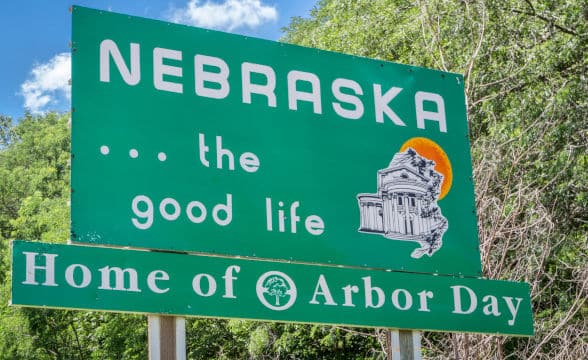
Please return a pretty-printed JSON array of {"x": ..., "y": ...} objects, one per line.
[{"x": 35, "y": 35}]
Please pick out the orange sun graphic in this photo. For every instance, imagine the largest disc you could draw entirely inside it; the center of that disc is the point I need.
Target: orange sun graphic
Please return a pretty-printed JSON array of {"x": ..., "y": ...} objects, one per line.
[{"x": 429, "y": 149}]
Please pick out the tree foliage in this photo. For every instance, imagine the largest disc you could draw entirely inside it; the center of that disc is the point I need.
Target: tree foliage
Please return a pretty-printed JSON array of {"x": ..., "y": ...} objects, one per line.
[{"x": 34, "y": 197}]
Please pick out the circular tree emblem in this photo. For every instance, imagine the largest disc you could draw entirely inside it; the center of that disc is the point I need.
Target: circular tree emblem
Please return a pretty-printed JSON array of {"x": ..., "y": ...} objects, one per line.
[{"x": 276, "y": 290}]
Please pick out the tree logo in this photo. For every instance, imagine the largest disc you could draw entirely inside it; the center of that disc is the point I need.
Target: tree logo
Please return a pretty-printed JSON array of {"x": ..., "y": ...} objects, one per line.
[{"x": 276, "y": 290}]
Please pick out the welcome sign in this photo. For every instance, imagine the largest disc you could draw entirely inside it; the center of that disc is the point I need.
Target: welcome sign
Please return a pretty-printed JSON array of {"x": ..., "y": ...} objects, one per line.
[
  {"x": 194, "y": 140},
  {"x": 98, "y": 278},
  {"x": 332, "y": 169}
]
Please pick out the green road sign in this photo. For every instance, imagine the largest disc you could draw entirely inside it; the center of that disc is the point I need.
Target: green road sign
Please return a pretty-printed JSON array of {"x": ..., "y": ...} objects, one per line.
[
  {"x": 100, "y": 278},
  {"x": 194, "y": 140}
]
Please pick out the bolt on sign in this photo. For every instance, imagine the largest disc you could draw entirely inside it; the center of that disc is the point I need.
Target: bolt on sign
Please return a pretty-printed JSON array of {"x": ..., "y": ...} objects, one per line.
[
  {"x": 194, "y": 140},
  {"x": 100, "y": 278}
]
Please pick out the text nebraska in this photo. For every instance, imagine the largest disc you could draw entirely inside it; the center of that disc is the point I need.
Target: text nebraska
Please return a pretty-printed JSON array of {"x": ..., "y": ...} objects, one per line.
[{"x": 215, "y": 84}]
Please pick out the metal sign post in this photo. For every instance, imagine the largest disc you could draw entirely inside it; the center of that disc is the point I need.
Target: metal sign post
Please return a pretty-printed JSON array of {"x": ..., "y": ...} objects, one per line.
[
  {"x": 404, "y": 345},
  {"x": 167, "y": 338}
]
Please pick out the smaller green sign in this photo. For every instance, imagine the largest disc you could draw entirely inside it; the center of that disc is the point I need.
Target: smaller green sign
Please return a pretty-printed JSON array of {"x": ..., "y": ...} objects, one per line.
[{"x": 80, "y": 277}]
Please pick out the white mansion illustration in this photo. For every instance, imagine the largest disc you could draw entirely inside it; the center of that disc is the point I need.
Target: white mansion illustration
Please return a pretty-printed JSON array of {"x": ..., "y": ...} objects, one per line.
[{"x": 405, "y": 206}]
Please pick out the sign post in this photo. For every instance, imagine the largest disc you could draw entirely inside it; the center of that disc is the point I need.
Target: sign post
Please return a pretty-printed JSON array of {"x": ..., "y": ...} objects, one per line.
[
  {"x": 167, "y": 337},
  {"x": 404, "y": 345}
]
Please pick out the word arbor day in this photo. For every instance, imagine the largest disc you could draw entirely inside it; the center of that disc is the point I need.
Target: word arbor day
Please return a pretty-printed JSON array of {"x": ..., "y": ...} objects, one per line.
[{"x": 208, "y": 286}]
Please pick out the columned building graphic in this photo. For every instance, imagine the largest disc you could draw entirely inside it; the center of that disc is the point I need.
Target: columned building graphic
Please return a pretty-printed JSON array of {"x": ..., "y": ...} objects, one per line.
[{"x": 405, "y": 206}]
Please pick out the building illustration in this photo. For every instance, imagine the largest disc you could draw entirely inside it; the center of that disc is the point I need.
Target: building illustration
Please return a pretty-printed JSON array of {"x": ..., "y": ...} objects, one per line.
[{"x": 405, "y": 206}]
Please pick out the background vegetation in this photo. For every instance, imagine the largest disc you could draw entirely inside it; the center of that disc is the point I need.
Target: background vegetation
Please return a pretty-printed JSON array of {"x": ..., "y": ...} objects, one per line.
[{"x": 525, "y": 64}]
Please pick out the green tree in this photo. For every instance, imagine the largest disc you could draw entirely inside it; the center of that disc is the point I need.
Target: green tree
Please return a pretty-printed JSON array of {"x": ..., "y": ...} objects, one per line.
[
  {"x": 34, "y": 173},
  {"x": 34, "y": 190},
  {"x": 34, "y": 198}
]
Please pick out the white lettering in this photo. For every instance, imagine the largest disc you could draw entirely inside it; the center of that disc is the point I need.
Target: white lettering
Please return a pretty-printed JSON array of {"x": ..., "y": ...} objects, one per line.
[
  {"x": 220, "y": 78},
  {"x": 249, "y": 88},
  {"x": 512, "y": 308},
  {"x": 31, "y": 269},
  {"x": 369, "y": 290},
  {"x": 314, "y": 225},
  {"x": 198, "y": 288},
  {"x": 229, "y": 281},
  {"x": 227, "y": 209},
  {"x": 457, "y": 300},
  {"x": 160, "y": 69},
  {"x": 268, "y": 214},
  {"x": 146, "y": 214},
  {"x": 381, "y": 104},
  {"x": 225, "y": 158},
  {"x": 423, "y": 296},
  {"x": 119, "y": 279},
  {"x": 170, "y": 209},
  {"x": 294, "y": 95},
  {"x": 348, "y": 291},
  {"x": 211, "y": 79},
  {"x": 357, "y": 112},
  {"x": 396, "y": 299},
  {"x": 294, "y": 219},
  {"x": 492, "y": 307},
  {"x": 202, "y": 150},
  {"x": 190, "y": 213},
  {"x": 70, "y": 276},
  {"x": 419, "y": 98},
  {"x": 109, "y": 49},
  {"x": 249, "y": 162},
  {"x": 322, "y": 289},
  {"x": 157, "y": 275},
  {"x": 220, "y": 152},
  {"x": 163, "y": 209}
]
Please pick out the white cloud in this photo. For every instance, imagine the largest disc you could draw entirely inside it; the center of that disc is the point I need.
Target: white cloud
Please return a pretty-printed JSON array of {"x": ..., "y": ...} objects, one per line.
[
  {"x": 229, "y": 15},
  {"x": 48, "y": 83}
]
